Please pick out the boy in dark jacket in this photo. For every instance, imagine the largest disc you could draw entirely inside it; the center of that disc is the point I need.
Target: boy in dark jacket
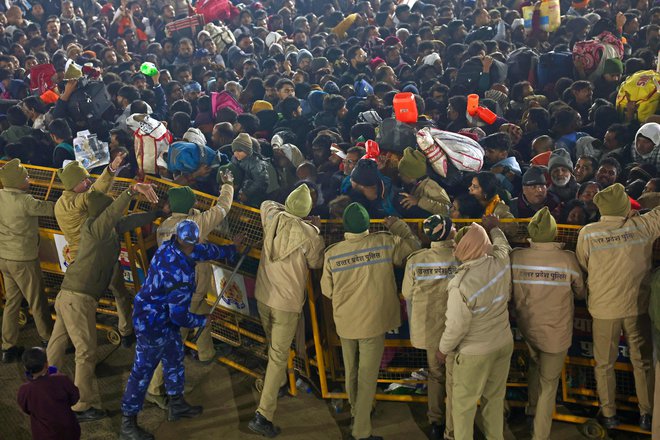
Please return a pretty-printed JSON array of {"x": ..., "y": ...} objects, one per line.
[
  {"x": 47, "y": 398},
  {"x": 259, "y": 178}
]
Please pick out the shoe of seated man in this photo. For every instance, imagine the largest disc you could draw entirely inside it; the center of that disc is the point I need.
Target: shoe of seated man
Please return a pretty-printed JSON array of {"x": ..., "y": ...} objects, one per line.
[{"x": 90, "y": 415}]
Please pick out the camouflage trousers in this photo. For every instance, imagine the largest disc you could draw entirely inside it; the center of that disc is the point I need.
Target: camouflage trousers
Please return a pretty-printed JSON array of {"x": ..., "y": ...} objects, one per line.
[{"x": 167, "y": 349}]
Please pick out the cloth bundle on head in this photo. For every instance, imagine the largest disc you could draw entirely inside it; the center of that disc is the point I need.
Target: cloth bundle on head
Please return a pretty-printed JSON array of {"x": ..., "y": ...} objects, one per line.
[
  {"x": 613, "y": 200},
  {"x": 560, "y": 158},
  {"x": 474, "y": 244},
  {"x": 97, "y": 202},
  {"x": 299, "y": 202},
  {"x": 363, "y": 89},
  {"x": 13, "y": 174},
  {"x": 260, "y": 105},
  {"x": 412, "y": 164},
  {"x": 476, "y": 131},
  {"x": 613, "y": 66},
  {"x": 195, "y": 136},
  {"x": 365, "y": 173},
  {"x": 72, "y": 174},
  {"x": 291, "y": 152},
  {"x": 271, "y": 38},
  {"x": 542, "y": 228},
  {"x": 243, "y": 143},
  {"x": 370, "y": 117},
  {"x": 356, "y": 218},
  {"x": 431, "y": 58},
  {"x": 651, "y": 131},
  {"x": 437, "y": 227},
  {"x": 534, "y": 176},
  {"x": 181, "y": 199},
  {"x": 342, "y": 28}
]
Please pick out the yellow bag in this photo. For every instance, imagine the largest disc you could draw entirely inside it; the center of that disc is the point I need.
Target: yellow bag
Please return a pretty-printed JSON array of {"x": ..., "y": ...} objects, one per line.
[
  {"x": 640, "y": 88},
  {"x": 550, "y": 15}
]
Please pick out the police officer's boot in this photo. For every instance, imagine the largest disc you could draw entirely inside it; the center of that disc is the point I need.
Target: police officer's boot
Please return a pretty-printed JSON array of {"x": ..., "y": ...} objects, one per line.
[
  {"x": 131, "y": 431},
  {"x": 178, "y": 408}
]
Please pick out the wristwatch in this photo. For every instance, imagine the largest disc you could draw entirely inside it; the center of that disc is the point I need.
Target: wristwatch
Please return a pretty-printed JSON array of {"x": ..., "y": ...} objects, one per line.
[{"x": 130, "y": 192}]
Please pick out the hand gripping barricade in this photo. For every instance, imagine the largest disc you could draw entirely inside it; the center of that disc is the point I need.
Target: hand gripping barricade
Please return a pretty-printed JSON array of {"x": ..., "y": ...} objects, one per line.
[{"x": 319, "y": 357}]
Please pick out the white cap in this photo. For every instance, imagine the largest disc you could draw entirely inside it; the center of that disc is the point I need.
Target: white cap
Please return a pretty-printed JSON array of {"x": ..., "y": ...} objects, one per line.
[
  {"x": 272, "y": 37},
  {"x": 431, "y": 58}
]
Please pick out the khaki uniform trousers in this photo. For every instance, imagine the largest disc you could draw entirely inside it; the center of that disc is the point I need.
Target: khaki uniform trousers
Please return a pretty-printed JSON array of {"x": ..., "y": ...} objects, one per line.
[
  {"x": 606, "y": 334},
  {"x": 482, "y": 377},
  {"x": 449, "y": 378},
  {"x": 436, "y": 387},
  {"x": 123, "y": 301},
  {"x": 362, "y": 362},
  {"x": 76, "y": 320},
  {"x": 280, "y": 328},
  {"x": 656, "y": 395},
  {"x": 22, "y": 279},
  {"x": 198, "y": 305},
  {"x": 543, "y": 374}
]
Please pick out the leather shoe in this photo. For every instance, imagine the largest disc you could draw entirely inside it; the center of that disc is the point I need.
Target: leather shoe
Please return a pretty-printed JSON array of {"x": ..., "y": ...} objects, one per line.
[
  {"x": 645, "y": 422},
  {"x": 609, "y": 422},
  {"x": 90, "y": 415},
  {"x": 12, "y": 354},
  {"x": 261, "y": 425},
  {"x": 437, "y": 431}
]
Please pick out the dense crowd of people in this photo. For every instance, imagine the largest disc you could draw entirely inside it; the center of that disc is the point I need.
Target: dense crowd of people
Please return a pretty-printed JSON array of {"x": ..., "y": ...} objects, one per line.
[{"x": 291, "y": 107}]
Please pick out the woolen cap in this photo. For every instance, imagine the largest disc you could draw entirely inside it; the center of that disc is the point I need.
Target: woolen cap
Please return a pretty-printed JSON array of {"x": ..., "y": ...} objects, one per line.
[
  {"x": 72, "y": 174},
  {"x": 412, "y": 164},
  {"x": 13, "y": 174},
  {"x": 542, "y": 228},
  {"x": 534, "y": 176},
  {"x": 613, "y": 200},
  {"x": 242, "y": 142},
  {"x": 299, "y": 202},
  {"x": 181, "y": 199},
  {"x": 356, "y": 218},
  {"x": 437, "y": 227}
]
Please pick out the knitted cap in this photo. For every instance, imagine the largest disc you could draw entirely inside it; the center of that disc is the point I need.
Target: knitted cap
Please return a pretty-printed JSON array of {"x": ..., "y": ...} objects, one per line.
[
  {"x": 542, "y": 228},
  {"x": 72, "y": 174},
  {"x": 437, "y": 227},
  {"x": 613, "y": 66},
  {"x": 613, "y": 200},
  {"x": 365, "y": 173},
  {"x": 299, "y": 202},
  {"x": 181, "y": 199},
  {"x": 243, "y": 142},
  {"x": 560, "y": 158},
  {"x": 303, "y": 54},
  {"x": 13, "y": 174},
  {"x": 97, "y": 202},
  {"x": 534, "y": 176},
  {"x": 356, "y": 218},
  {"x": 260, "y": 105},
  {"x": 412, "y": 164}
]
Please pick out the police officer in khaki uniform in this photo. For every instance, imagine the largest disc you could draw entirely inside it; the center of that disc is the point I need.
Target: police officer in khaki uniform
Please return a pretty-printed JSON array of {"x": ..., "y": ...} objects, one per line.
[
  {"x": 428, "y": 272},
  {"x": 358, "y": 278},
  {"x": 181, "y": 201},
  {"x": 617, "y": 254},
  {"x": 71, "y": 213},
  {"x": 19, "y": 259},
  {"x": 478, "y": 330},
  {"x": 546, "y": 279},
  {"x": 291, "y": 247}
]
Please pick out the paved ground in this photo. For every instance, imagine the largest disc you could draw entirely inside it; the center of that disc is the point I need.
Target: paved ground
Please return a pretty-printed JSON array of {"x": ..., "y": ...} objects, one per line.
[{"x": 229, "y": 399}]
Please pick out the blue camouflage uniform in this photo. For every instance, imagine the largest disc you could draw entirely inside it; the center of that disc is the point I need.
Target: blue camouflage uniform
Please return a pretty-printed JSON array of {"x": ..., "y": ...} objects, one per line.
[{"x": 160, "y": 310}]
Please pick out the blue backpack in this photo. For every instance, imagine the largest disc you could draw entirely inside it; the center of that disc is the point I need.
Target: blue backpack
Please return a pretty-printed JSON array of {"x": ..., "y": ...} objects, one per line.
[{"x": 552, "y": 66}]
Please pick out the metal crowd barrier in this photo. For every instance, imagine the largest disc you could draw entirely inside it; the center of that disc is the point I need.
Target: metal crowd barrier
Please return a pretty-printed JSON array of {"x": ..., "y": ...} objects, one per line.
[{"x": 316, "y": 354}]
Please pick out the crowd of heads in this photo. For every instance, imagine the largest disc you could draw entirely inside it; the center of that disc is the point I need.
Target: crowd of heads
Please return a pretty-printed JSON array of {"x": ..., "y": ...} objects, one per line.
[{"x": 284, "y": 93}]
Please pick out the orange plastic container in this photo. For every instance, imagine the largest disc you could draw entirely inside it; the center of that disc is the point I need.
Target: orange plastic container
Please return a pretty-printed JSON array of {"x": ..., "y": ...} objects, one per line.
[
  {"x": 405, "y": 107},
  {"x": 486, "y": 115},
  {"x": 472, "y": 104}
]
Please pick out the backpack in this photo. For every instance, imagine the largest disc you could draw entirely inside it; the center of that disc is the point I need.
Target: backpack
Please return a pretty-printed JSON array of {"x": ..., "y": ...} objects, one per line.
[
  {"x": 395, "y": 136},
  {"x": 224, "y": 99},
  {"x": 521, "y": 65},
  {"x": 552, "y": 66},
  {"x": 593, "y": 53},
  {"x": 152, "y": 142},
  {"x": 212, "y": 10},
  {"x": 470, "y": 73},
  {"x": 642, "y": 88},
  {"x": 186, "y": 157},
  {"x": 89, "y": 102}
]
